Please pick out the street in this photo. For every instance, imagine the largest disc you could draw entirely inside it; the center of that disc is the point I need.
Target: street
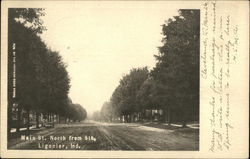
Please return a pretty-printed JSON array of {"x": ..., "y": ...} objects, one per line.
[{"x": 90, "y": 135}]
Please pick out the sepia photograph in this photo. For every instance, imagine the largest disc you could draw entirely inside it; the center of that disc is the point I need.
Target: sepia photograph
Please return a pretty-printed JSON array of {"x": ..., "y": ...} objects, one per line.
[
  {"x": 133, "y": 85},
  {"x": 124, "y": 79}
]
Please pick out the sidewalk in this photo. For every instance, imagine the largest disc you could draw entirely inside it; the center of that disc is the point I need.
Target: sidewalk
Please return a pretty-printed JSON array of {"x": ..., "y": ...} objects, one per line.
[
  {"x": 193, "y": 126},
  {"x": 152, "y": 124},
  {"x": 172, "y": 126},
  {"x": 22, "y": 129}
]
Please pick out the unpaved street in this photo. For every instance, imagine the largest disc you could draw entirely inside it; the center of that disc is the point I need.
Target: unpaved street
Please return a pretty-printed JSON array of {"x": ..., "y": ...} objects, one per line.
[{"x": 106, "y": 136}]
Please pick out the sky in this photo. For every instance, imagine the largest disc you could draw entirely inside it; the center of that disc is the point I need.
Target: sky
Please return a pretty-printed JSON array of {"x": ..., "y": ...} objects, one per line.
[{"x": 101, "y": 42}]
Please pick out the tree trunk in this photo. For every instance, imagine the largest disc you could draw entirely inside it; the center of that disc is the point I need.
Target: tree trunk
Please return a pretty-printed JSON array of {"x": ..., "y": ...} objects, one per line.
[
  {"x": 184, "y": 120},
  {"x": 52, "y": 117},
  {"x": 165, "y": 115},
  {"x": 184, "y": 123},
  {"x": 47, "y": 117},
  {"x": 28, "y": 119},
  {"x": 151, "y": 115},
  {"x": 169, "y": 116},
  {"x": 143, "y": 115},
  {"x": 37, "y": 119},
  {"x": 42, "y": 119},
  {"x": 18, "y": 120},
  {"x": 9, "y": 119},
  {"x": 133, "y": 117}
]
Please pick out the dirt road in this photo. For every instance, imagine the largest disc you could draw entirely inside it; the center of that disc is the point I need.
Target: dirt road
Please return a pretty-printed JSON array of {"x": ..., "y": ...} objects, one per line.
[{"x": 105, "y": 136}]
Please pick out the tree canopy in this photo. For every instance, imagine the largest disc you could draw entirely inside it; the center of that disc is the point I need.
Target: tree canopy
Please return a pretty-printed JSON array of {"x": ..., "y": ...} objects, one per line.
[
  {"x": 40, "y": 76},
  {"x": 173, "y": 84},
  {"x": 178, "y": 62}
]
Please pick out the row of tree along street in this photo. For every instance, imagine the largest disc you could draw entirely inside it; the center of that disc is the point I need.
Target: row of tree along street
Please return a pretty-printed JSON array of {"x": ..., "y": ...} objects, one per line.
[
  {"x": 170, "y": 91},
  {"x": 38, "y": 83}
]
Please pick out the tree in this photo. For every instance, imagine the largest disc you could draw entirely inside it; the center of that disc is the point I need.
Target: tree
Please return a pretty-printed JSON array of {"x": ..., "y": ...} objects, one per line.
[
  {"x": 107, "y": 112},
  {"x": 22, "y": 22},
  {"x": 42, "y": 81},
  {"x": 178, "y": 62},
  {"x": 96, "y": 116},
  {"x": 124, "y": 96},
  {"x": 76, "y": 112},
  {"x": 54, "y": 83},
  {"x": 29, "y": 17},
  {"x": 151, "y": 96}
]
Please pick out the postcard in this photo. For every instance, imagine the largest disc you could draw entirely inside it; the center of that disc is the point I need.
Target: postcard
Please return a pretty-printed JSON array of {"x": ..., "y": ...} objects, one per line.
[{"x": 124, "y": 79}]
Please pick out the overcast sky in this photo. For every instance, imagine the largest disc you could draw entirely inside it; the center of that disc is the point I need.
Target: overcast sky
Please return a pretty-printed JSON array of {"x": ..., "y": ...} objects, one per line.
[{"x": 100, "y": 42}]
